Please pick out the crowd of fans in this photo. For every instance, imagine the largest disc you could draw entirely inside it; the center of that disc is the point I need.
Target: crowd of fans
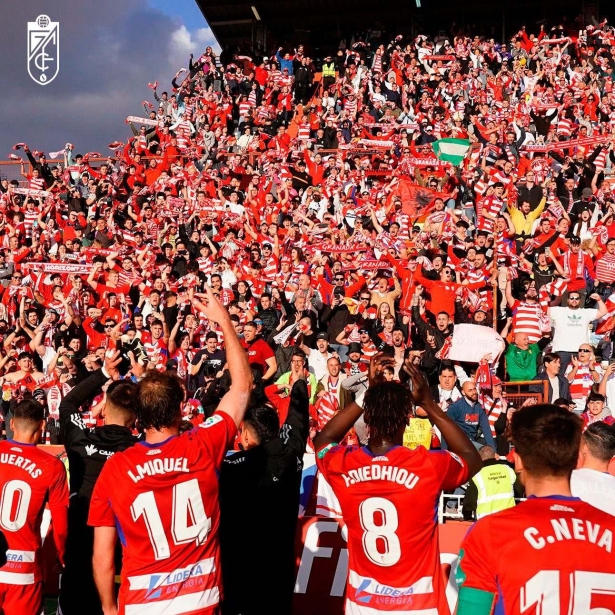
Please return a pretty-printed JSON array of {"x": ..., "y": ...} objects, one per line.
[
  {"x": 314, "y": 242},
  {"x": 308, "y": 196}
]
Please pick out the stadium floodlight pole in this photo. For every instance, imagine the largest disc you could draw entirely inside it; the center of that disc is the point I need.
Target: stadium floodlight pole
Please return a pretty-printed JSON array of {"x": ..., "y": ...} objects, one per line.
[{"x": 257, "y": 16}]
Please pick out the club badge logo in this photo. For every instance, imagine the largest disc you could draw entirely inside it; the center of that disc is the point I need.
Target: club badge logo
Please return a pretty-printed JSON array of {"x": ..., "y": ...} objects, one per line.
[{"x": 43, "y": 49}]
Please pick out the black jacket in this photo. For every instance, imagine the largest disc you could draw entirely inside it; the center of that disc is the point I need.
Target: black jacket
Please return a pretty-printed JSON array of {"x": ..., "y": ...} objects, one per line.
[
  {"x": 430, "y": 361},
  {"x": 564, "y": 387},
  {"x": 88, "y": 448},
  {"x": 259, "y": 503}
]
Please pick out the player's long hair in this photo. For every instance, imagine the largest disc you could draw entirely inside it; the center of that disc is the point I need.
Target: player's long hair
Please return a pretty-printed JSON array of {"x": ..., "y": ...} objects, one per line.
[
  {"x": 158, "y": 401},
  {"x": 547, "y": 439},
  {"x": 386, "y": 408}
]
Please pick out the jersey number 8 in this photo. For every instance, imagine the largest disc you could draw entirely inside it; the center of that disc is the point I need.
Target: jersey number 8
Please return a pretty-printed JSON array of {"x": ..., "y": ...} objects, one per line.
[
  {"x": 380, "y": 542},
  {"x": 189, "y": 522}
]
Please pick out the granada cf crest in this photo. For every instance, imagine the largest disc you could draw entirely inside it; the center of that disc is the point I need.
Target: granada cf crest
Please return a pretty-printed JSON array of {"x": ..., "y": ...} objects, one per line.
[{"x": 43, "y": 49}]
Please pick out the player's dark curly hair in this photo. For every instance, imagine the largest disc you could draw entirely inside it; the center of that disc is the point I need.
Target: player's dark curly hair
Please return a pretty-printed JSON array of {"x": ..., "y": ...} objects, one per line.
[
  {"x": 547, "y": 439},
  {"x": 386, "y": 408},
  {"x": 159, "y": 397}
]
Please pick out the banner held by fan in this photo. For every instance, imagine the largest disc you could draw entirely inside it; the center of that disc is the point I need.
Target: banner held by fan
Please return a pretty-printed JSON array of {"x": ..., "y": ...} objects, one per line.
[{"x": 415, "y": 199}]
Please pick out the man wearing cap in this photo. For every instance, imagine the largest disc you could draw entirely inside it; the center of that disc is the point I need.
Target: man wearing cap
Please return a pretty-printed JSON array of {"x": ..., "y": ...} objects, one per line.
[
  {"x": 317, "y": 358},
  {"x": 354, "y": 365},
  {"x": 587, "y": 201}
]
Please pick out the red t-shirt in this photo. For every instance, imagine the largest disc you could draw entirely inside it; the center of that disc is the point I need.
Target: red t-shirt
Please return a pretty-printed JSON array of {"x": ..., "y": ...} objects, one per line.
[
  {"x": 551, "y": 555},
  {"x": 258, "y": 353},
  {"x": 388, "y": 503},
  {"x": 163, "y": 499},
  {"x": 30, "y": 478}
]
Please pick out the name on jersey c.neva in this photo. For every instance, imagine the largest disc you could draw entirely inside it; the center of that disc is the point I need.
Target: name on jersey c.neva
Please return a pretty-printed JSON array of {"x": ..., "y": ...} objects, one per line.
[
  {"x": 401, "y": 476},
  {"x": 159, "y": 466},
  {"x": 21, "y": 462},
  {"x": 571, "y": 529}
]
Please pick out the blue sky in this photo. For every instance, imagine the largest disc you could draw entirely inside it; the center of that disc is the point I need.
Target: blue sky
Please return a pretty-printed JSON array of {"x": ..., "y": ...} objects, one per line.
[
  {"x": 109, "y": 51},
  {"x": 186, "y": 10}
]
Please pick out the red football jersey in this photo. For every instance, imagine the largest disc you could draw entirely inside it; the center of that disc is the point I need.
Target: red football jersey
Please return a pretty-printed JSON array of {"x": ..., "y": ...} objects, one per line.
[
  {"x": 163, "y": 499},
  {"x": 389, "y": 505},
  {"x": 30, "y": 478},
  {"x": 546, "y": 556}
]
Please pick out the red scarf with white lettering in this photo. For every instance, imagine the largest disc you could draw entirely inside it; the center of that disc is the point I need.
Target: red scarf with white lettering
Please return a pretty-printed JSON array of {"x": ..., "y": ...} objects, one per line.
[{"x": 580, "y": 265}]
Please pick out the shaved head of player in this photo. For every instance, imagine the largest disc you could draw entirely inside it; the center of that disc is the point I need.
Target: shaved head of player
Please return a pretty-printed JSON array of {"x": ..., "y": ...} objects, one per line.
[
  {"x": 386, "y": 493},
  {"x": 551, "y": 554}
]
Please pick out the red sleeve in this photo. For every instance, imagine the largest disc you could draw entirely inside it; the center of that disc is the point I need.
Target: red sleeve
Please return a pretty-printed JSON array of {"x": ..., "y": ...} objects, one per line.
[
  {"x": 328, "y": 456},
  {"x": 356, "y": 287},
  {"x": 476, "y": 560},
  {"x": 218, "y": 433},
  {"x": 20, "y": 255},
  {"x": 101, "y": 513},
  {"x": 58, "y": 506},
  {"x": 452, "y": 469},
  {"x": 427, "y": 283}
]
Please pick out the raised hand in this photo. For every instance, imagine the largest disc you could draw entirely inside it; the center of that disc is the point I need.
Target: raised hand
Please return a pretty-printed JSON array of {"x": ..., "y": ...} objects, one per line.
[
  {"x": 112, "y": 360},
  {"x": 212, "y": 308}
]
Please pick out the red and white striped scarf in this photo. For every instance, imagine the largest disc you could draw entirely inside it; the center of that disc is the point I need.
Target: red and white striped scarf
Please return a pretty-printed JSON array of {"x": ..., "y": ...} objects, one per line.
[{"x": 580, "y": 265}]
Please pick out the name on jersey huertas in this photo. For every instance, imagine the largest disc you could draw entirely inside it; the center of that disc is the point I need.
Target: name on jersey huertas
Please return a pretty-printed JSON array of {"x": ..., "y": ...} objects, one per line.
[
  {"x": 401, "y": 476},
  {"x": 21, "y": 462},
  {"x": 159, "y": 466},
  {"x": 571, "y": 529}
]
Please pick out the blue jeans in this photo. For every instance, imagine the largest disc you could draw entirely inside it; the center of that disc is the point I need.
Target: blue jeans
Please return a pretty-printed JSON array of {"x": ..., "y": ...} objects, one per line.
[{"x": 341, "y": 350}]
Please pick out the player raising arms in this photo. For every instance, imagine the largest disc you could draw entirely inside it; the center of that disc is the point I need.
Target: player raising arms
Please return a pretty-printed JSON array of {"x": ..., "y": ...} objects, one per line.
[
  {"x": 162, "y": 495},
  {"x": 388, "y": 495},
  {"x": 552, "y": 554},
  {"x": 29, "y": 479}
]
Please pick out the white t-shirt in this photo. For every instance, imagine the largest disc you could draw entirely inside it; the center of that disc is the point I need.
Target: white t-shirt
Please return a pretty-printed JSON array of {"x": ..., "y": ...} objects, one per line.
[
  {"x": 571, "y": 327},
  {"x": 318, "y": 363},
  {"x": 595, "y": 488}
]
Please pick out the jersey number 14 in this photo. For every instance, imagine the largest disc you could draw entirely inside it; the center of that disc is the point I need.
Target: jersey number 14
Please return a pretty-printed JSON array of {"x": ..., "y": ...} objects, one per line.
[{"x": 189, "y": 521}]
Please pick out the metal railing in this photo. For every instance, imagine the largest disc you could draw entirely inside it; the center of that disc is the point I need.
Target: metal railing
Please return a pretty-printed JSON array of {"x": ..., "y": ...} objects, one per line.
[
  {"x": 455, "y": 514},
  {"x": 518, "y": 391}
]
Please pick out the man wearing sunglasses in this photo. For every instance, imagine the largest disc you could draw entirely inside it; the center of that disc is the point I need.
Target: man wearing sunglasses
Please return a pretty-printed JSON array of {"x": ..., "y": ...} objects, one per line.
[
  {"x": 582, "y": 373},
  {"x": 571, "y": 325}
]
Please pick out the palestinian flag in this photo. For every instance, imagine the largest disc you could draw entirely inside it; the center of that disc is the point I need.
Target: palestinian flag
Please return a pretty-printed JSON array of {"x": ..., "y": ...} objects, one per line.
[
  {"x": 451, "y": 150},
  {"x": 415, "y": 199}
]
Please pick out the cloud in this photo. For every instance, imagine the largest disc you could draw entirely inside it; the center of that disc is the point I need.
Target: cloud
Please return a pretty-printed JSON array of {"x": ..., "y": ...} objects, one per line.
[{"x": 109, "y": 51}]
